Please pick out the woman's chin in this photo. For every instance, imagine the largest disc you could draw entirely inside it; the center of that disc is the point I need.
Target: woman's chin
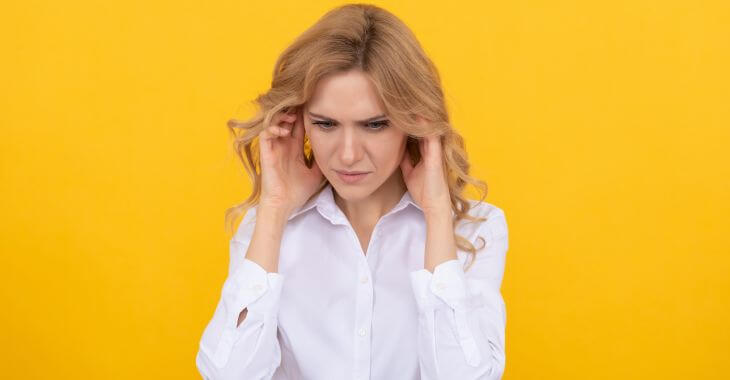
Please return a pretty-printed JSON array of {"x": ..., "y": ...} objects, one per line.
[{"x": 349, "y": 192}]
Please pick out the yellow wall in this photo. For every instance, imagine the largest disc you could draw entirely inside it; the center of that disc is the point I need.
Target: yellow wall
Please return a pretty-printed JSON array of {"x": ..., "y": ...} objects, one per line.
[{"x": 602, "y": 129}]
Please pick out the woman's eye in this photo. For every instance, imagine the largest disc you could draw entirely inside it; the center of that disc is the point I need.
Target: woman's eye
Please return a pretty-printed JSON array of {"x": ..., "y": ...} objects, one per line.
[
  {"x": 373, "y": 126},
  {"x": 323, "y": 124},
  {"x": 377, "y": 125}
]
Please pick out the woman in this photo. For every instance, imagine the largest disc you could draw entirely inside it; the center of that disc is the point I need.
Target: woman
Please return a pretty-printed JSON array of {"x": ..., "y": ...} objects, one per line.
[{"x": 349, "y": 262}]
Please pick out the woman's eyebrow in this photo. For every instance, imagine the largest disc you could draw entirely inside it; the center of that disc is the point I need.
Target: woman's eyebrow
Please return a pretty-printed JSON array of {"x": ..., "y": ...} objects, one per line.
[{"x": 359, "y": 121}]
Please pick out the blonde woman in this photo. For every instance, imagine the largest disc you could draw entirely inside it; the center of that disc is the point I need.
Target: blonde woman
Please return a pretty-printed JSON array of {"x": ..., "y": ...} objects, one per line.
[{"x": 358, "y": 256}]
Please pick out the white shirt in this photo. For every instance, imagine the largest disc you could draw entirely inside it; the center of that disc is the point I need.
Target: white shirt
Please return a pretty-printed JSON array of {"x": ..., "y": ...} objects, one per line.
[{"x": 336, "y": 312}]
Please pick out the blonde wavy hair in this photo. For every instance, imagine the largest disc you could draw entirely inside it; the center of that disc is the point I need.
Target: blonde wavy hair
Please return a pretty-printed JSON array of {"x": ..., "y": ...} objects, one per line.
[{"x": 370, "y": 39}]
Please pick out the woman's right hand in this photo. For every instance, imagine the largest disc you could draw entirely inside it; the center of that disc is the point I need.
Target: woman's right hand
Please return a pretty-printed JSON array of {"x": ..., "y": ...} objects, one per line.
[{"x": 287, "y": 182}]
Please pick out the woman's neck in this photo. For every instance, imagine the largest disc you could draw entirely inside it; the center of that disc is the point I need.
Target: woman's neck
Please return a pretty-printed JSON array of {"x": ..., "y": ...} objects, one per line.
[{"x": 367, "y": 212}]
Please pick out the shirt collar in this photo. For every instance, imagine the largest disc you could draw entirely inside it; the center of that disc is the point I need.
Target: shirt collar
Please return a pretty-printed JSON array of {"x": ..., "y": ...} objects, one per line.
[{"x": 324, "y": 202}]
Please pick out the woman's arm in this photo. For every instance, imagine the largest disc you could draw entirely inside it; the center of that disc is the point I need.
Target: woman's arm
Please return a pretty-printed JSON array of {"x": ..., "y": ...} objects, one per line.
[
  {"x": 462, "y": 315},
  {"x": 240, "y": 340},
  {"x": 266, "y": 240},
  {"x": 440, "y": 244}
]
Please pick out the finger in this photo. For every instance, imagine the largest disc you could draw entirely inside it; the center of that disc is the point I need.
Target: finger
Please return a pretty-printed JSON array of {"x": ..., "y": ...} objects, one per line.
[
  {"x": 429, "y": 146},
  {"x": 277, "y": 131},
  {"x": 283, "y": 131},
  {"x": 264, "y": 145},
  {"x": 433, "y": 149},
  {"x": 265, "y": 134},
  {"x": 266, "y": 138},
  {"x": 297, "y": 129},
  {"x": 286, "y": 123},
  {"x": 279, "y": 119},
  {"x": 284, "y": 117}
]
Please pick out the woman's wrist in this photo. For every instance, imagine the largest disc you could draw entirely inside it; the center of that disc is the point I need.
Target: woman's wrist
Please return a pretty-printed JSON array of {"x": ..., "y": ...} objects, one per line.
[
  {"x": 438, "y": 214},
  {"x": 266, "y": 240},
  {"x": 273, "y": 216}
]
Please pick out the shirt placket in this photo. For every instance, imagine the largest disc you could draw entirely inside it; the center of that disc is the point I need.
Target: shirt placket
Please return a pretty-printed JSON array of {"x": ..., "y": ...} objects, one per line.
[
  {"x": 363, "y": 310},
  {"x": 363, "y": 322}
]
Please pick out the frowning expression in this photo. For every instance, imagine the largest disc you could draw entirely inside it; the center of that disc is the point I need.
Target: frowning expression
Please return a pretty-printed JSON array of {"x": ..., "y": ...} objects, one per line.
[{"x": 350, "y": 132}]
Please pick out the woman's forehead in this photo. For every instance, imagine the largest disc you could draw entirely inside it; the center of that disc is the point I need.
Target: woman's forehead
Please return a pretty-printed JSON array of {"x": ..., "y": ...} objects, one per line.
[{"x": 349, "y": 96}]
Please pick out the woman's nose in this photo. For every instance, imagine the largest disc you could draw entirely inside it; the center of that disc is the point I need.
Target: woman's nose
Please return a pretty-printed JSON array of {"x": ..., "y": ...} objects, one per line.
[{"x": 350, "y": 149}]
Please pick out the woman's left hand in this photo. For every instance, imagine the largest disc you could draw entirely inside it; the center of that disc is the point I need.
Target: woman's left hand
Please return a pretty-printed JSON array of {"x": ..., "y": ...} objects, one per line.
[{"x": 426, "y": 181}]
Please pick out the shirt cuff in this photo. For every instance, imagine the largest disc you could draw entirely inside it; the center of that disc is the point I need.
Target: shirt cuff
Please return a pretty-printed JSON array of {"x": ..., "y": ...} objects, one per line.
[
  {"x": 446, "y": 287},
  {"x": 250, "y": 286}
]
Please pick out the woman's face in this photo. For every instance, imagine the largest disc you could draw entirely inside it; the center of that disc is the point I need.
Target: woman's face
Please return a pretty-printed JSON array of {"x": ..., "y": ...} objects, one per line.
[{"x": 349, "y": 132}]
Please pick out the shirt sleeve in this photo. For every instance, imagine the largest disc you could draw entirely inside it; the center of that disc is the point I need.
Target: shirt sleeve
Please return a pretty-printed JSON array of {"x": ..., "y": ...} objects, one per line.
[
  {"x": 250, "y": 350},
  {"x": 462, "y": 315}
]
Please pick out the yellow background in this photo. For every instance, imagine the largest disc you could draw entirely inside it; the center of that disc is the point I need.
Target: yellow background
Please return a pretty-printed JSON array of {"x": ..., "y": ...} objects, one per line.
[{"x": 602, "y": 129}]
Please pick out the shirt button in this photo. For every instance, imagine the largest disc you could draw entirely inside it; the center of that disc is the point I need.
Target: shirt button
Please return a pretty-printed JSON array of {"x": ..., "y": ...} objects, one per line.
[
  {"x": 364, "y": 280},
  {"x": 441, "y": 285},
  {"x": 361, "y": 332}
]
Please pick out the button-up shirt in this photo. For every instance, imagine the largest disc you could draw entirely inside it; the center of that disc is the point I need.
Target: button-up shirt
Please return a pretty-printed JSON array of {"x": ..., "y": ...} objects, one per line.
[{"x": 336, "y": 312}]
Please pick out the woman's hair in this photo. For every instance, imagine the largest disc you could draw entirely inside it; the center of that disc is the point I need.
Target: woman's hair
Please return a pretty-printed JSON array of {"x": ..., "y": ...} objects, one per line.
[{"x": 374, "y": 41}]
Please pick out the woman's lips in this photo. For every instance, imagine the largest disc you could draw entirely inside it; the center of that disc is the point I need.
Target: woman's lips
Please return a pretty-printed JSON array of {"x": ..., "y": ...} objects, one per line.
[{"x": 351, "y": 178}]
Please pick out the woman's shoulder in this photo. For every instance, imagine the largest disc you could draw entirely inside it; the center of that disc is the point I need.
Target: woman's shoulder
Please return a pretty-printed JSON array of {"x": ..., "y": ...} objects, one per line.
[
  {"x": 245, "y": 228},
  {"x": 494, "y": 223},
  {"x": 484, "y": 209}
]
